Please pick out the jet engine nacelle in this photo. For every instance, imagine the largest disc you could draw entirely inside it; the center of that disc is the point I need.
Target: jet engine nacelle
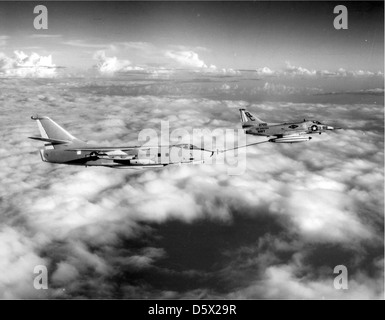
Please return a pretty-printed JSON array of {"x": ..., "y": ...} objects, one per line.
[
  {"x": 290, "y": 139},
  {"x": 142, "y": 161}
]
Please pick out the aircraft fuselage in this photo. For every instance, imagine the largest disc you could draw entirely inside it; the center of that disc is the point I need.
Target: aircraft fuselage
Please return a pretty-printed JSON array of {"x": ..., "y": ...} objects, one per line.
[
  {"x": 129, "y": 158},
  {"x": 266, "y": 129}
]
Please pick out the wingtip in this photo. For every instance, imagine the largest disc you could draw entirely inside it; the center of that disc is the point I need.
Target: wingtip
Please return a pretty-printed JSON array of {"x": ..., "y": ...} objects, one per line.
[{"x": 37, "y": 117}]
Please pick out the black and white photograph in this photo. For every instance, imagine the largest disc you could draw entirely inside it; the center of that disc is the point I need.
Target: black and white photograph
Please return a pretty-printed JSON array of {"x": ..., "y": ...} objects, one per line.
[{"x": 192, "y": 150}]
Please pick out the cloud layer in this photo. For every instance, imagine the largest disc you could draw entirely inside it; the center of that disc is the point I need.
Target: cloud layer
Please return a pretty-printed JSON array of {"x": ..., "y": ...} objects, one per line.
[{"x": 277, "y": 231}]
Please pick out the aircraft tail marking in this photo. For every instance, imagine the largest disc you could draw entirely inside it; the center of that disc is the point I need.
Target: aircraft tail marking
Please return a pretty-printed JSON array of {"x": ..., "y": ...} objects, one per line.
[{"x": 247, "y": 117}]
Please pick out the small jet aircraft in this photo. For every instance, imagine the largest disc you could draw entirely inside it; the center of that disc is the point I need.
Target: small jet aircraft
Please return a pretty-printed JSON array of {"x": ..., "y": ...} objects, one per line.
[
  {"x": 62, "y": 147},
  {"x": 292, "y": 132}
]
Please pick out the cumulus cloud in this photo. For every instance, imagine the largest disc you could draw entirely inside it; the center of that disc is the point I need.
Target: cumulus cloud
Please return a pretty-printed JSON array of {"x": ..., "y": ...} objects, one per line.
[
  {"x": 358, "y": 73},
  {"x": 188, "y": 59},
  {"x": 171, "y": 61},
  {"x": 265, "y": 71},
  {"x": 110, "y": 65},
  {"x": 293, "y": 70},
  {"x": 23, "y": 65},
  {"x": 281, "y": 281},
  {"x": 151, "y": 59},
  {"x": 276, "y": 231},
  {"x": 18, "y": 257},
  {"x": 315, "y": 210},
  {"x": 230, "y": 71}
]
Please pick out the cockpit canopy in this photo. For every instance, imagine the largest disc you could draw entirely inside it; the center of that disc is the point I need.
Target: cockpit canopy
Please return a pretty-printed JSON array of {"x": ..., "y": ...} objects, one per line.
[{"x": 316, "y": 122}]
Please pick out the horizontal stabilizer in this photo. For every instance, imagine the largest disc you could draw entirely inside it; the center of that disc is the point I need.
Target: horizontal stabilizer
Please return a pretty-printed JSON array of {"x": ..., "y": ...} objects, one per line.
[{"x": 53, "y": 141}]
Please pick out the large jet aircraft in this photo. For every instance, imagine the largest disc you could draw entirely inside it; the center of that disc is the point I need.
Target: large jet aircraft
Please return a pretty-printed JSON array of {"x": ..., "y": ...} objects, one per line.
[
  {"x": 292, "y": 132},
  {"x": 62, "y": 147}
]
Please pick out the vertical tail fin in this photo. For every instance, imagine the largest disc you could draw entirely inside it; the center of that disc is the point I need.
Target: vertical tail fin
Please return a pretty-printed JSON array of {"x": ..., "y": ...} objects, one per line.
[
  {"x": 246, "y": 116},
  {"x": 52, "y": 133}
]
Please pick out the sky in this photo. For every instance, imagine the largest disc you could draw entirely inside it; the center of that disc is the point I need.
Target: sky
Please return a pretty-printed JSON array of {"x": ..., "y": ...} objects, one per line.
[
  {"x": 237, "y": 35},
  {"x": 105, "y": 71}
]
